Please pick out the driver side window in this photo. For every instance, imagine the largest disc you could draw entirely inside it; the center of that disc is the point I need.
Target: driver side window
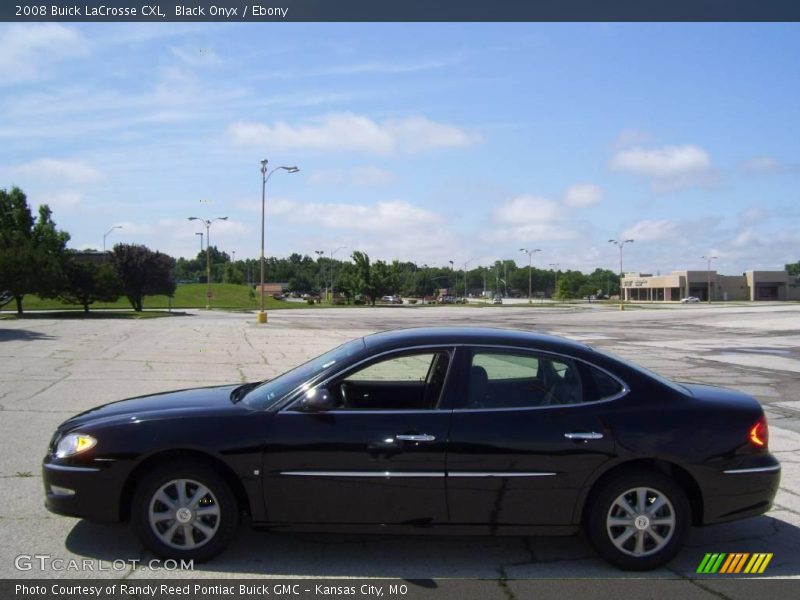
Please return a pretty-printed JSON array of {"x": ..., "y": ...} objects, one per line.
[{"x": 400, "y": 382}]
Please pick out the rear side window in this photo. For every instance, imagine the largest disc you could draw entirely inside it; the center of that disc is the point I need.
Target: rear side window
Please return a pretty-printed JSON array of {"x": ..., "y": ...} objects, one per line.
[
  {"x": 518, "y": 379},
  {"x": 510, "y": 379},
  {"x": 598, "y": 385}
]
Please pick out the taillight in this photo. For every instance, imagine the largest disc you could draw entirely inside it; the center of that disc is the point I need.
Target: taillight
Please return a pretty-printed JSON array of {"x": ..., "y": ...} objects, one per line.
[{"x": 759, "y": 433}]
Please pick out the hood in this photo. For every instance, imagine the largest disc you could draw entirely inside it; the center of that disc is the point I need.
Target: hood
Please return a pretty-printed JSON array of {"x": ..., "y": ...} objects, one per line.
[{"x": 208, "y": 400}]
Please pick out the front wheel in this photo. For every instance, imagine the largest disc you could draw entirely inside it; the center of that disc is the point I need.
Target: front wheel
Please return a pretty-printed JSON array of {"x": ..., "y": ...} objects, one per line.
[
  {"x": 185, "y": 510},
  {"x": 639, "y": 520}
]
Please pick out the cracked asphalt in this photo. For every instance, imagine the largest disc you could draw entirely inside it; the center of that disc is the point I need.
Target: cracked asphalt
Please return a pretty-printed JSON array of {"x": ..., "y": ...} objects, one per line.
[{"x": 51, "y": 369}]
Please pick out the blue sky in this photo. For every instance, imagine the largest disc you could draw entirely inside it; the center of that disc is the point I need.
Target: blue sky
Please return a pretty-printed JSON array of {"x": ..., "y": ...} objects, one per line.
[{"x": 428, "y": 142}]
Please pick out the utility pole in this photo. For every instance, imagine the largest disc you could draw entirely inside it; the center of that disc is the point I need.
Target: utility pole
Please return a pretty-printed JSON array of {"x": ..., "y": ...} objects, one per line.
[
  {"x": 708, "y": 273},
  {"x": 530, "y": 254}
]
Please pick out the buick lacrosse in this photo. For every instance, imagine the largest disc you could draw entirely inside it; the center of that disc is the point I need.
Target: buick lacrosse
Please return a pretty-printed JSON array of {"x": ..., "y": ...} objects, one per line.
[{"x": 431, "y": 430}]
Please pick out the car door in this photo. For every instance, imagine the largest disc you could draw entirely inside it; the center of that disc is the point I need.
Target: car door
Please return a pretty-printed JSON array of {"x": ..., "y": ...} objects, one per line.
[
  {"x": 378, "y": 456},
  {"x": 527, "y": 432}
]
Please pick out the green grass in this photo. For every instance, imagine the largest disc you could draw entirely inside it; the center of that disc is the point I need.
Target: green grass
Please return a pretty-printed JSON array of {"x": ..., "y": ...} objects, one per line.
[{"x": 187, "y": 295}]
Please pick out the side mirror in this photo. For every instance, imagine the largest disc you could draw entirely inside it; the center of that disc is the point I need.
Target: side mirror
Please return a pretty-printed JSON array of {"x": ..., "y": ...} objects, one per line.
[{"x": 317, "y": 400}]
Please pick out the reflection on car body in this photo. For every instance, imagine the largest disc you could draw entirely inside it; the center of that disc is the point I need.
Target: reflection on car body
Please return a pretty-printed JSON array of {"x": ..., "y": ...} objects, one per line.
[{"x": 437, "y": 430}]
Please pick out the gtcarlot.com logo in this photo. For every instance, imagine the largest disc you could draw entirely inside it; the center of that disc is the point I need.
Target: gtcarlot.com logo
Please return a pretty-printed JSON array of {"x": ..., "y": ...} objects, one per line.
[{"x": 734, "y": 562}]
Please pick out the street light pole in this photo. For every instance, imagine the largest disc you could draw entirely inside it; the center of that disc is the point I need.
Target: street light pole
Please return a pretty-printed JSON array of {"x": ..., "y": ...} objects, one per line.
[
  {"x": 466, "y": 262},
  {"x": 208, "y": 223},
  {"x": 708, "y": 273},
  {"x": 332, "y": 253},
  {"x": 620, "y": 245},
  {"x": 107, "y": 233},
  {"x": 555, "y": 273},
  {"x": 265, "y": 175},
  {"x": 530, "y": 254}
]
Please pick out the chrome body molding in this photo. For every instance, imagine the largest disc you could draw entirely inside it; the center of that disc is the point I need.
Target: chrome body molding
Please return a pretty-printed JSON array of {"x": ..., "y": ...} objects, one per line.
[
  {"x": 53, "y": 467},
  {"x": 389, "y": 474},
  {"x": 769, "y": 469}
]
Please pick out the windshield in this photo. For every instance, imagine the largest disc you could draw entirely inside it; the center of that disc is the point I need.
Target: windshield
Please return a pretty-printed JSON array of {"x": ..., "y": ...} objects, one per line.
[{"x": 269, "y": 392}]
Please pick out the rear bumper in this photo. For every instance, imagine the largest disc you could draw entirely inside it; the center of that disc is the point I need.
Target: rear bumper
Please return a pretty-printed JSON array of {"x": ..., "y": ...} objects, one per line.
[
  {"x": 85, "y": 491},
  {"x": 741, "y": 492}
]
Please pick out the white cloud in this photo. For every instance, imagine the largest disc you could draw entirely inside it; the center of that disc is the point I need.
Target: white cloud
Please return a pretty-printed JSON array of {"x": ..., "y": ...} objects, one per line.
[
  {"x": 62, "y": 200},
  {"x": 763, "y": 165},
  {"x": 583, "y": 194},
  {"x": 651, "y": 230},
  {"x": 358, "y": 176},
  {"x": 29, "y": 51},
  {"x": 527, "y": 209},
  {"x": 631, "y": 137},
  {"x": 533, "y": 232},
  {"x": 528, "y": 218},
  {"x": 382, "y": 217},
  {"x": 668, "y": 167},
  {"x": 347, "y": 131},
  {"x": 62, "y": 170},
  {"x": 752, "y": 215}
]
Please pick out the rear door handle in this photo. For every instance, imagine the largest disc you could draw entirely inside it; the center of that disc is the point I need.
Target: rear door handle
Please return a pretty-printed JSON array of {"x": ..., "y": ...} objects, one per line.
[
  {"x": 423, "y": 437},
  {"x": 584, "y": 435}
]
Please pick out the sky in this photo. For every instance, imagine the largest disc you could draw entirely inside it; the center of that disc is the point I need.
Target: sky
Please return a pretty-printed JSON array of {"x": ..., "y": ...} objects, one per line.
[{"x": 423, "y": 142}]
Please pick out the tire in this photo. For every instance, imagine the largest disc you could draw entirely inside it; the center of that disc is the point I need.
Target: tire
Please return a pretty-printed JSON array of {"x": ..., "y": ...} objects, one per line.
[
  {"x": 639, "y": 540},
  {"x": 185, "y": 510}
]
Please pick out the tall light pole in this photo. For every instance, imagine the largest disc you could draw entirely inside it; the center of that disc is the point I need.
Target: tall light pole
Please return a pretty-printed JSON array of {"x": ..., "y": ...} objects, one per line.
[
  {"x": 201, "y": 234},
  {"x": 265, "y": 175},
  {"x": 530, "y": 254},
  {"x": 320, "y": 254},
  {"x": 207, "y": 223},
  {"x": 620, "y": 245},
  {"x": 466, "y": 262},
  {"x": 555, "y": 272},
  {"x": 107, "y": 233},
  {"x": 332, "y": 253},
  {"x": 708, "y": 273}
]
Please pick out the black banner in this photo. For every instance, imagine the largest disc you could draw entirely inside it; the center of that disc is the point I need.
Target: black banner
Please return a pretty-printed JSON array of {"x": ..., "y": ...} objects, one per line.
[
  {"x": 400, "y": 10},
  {"x": 396, "y": 589}
]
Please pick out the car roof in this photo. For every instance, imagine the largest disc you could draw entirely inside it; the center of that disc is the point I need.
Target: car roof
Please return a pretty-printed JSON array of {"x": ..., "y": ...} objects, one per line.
[{"x": 421, "y": 336}]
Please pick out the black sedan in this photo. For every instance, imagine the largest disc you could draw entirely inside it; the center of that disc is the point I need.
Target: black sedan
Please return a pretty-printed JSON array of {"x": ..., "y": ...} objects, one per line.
[{"x": 450, "y": 430}]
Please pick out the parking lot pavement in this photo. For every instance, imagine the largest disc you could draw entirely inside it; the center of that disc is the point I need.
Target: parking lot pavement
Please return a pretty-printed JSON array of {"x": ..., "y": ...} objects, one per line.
[{"x": 51, "y": 369}]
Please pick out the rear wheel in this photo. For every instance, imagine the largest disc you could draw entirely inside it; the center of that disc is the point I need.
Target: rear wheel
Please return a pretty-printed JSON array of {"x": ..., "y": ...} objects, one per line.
[
  {"x": 639, "y": 520},
  {"x": 185, "y": 510}
]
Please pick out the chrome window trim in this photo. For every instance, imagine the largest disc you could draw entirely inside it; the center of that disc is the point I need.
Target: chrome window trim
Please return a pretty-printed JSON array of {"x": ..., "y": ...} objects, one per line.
[
  {"x": 623, "y": 392},
  {"x": 288, "y": 408},
  {"x": 53, "y": 467},
  {"x": 753, "y": 470}
]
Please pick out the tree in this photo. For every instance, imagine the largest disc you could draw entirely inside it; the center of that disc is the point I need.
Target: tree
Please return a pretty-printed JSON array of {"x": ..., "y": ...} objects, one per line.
[
  {"x": 87, "y": 283},
  {"x": 363, "y": 273},
  {"x": 143, "y": 273},
  {"x": 32, "y": 251},
  {"x": 793, "y": 269}
]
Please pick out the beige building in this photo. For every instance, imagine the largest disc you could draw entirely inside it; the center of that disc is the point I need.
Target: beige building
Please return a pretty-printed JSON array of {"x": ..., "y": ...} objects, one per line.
[{"x": 751, "y": 285}]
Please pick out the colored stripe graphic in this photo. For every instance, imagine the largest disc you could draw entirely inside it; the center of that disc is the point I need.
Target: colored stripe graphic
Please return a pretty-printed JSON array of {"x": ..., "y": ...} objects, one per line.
[
  {"x": 724, "y": 563},
  {"x": 711, "y": 562},
  {"x": 758, "y": 563}
]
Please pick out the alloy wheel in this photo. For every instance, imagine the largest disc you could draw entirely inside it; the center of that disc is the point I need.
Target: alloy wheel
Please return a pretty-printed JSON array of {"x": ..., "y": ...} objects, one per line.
[
  {"x": 184, "y": 514},
  {"x": 641, "y": 521}
]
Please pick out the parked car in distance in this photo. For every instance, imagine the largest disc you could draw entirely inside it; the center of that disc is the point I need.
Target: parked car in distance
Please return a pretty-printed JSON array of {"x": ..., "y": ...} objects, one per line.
[
  {"x": 497, "y": 300},
  {"x": 392, "y": 299},
  {"x": 690, "y": 299},
  {"x": 429, "y": 430}
]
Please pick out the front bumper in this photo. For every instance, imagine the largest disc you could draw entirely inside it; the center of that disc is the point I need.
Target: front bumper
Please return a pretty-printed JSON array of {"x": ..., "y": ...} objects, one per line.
[{"x": 87, "y": 491}]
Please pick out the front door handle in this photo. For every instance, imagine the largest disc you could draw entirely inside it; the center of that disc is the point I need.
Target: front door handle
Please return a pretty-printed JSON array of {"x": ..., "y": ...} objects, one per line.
[
  {"x": 408, "y": 437},
  {"x": 584, "y": 435}
]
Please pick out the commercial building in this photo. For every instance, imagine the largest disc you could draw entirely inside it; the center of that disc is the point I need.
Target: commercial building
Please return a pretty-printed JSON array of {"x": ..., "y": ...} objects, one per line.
[{"x": 750, "y": 285}]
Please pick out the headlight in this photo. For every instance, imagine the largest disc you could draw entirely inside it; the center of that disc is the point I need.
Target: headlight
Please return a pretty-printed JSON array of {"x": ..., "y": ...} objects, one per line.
[{"x": 74, "y": 443}]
